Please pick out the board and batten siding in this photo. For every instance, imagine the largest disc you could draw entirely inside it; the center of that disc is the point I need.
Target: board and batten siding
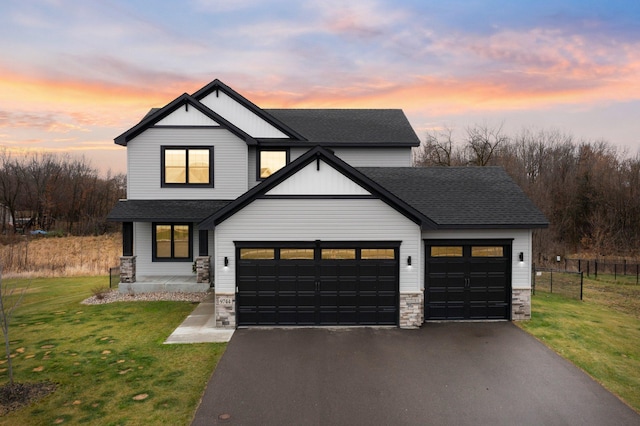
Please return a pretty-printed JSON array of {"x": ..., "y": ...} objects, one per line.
[
  {"x": 318, "y": 179},
  {"x": 240, "y": 116},
  {"x": 187, "y": 117},
  {"x": 143, "y": 250},
  {"x": 317, "y": 219},
  {"x": 522, "y": 241},
  {"x": 143, "y": 164}
]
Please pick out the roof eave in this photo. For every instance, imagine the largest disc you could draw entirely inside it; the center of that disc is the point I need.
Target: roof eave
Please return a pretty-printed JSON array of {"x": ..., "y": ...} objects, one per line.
[
  {"x": 451, "y": 226},
  {"x": 272, "y": 142}
]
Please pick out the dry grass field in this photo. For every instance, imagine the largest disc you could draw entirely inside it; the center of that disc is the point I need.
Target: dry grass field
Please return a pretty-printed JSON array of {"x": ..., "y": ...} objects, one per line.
[{"x": 29, "y": 256}]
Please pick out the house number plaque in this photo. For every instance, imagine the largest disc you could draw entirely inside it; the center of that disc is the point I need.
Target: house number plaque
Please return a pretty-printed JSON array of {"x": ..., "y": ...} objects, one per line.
[{"x": 225, "y": 301}]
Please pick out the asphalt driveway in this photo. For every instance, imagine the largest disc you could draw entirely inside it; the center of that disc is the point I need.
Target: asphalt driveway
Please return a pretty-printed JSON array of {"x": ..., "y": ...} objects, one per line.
[{"x": 441, "y": 374}]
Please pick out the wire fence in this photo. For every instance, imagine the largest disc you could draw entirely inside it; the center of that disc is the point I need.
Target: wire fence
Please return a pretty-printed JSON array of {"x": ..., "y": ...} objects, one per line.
[
  {"x": 557, "y": 281},
  {"x": 622, "y": 270}
]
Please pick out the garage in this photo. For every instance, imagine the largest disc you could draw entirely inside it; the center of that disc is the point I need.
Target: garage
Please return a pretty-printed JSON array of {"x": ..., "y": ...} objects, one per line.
[
  {"x": 317, "y": 283},
  {"x": 467, "y": 280}
]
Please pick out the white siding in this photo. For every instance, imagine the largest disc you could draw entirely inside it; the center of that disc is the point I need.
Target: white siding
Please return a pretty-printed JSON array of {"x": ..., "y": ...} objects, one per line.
[
  {"x": 356, "y": 157},
  {"x": 240, "y": 116},
  {"x": 143, "y": 163},
  {"x": 375, "y": 157},
  {"x": 184, "y": 117},
  {"x": 521, "y": 271},
  {"x": 143, "y": 249},
  {"x": 366, "y": 157},
  {"x": 314, "y": 219},
  {"x": 323, "y": 181}
]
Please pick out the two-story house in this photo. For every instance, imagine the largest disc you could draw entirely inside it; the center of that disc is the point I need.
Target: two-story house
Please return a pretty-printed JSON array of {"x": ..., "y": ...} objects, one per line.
[{"x": 316, "y": 217}]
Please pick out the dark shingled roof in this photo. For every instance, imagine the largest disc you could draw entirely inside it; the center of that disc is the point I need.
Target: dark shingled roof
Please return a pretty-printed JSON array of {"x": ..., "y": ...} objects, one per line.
[
  {"x": 349, "y": 126},
  {"x": 461, "y": 197},
  {"x": 164, "y": 210}
]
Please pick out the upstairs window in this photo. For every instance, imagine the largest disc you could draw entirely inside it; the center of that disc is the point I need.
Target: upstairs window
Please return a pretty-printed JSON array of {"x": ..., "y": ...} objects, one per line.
[
  {"x": 187, "y": 166},
  {"x": 270, "y": 161}
]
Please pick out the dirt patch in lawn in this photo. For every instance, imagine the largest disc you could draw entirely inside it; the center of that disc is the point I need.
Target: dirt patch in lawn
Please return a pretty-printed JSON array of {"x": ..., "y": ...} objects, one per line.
[{"x": 13, "y": 397}]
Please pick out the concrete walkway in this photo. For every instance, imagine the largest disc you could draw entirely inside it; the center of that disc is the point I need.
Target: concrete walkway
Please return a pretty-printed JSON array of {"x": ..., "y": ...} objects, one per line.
[{"x": 200, "y": 326}]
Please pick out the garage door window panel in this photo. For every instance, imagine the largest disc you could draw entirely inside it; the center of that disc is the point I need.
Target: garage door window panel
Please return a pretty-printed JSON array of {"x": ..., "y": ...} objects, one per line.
[
  {"x": 338, "y": 254},
  {"x": 377, "y": 254},
  {"x": 487, "y": 251},
  {"x": 297, "y": 254},
  {"x": 257, "y": 254},
  {"x": 446, "y": 251}
]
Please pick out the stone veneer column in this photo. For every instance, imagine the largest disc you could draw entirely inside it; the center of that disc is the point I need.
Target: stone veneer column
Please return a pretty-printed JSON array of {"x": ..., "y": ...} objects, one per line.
[
  {"x": 203, "y": 269},
  {"x": 520, "y": 304},
  {"x": 411, "y": 310},
  {"x": 128, "y": 269},
  {"x": 225, "y": 310}
]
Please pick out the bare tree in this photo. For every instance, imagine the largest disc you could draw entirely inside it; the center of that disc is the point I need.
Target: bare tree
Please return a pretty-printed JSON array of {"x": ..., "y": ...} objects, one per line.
[
  {"x": 10, "y": 298},
  {"x": 439, "y": 149},
  {"x": 482, "y": 143},
  {"x": 11, "y": 183}
]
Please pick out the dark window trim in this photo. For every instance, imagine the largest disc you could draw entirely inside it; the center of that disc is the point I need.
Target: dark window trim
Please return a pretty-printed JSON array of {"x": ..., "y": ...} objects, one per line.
[
  {"x": 163, "y": 184},
  {"x": 154, "y": 245},
  {"x": 287, "y": 150}
]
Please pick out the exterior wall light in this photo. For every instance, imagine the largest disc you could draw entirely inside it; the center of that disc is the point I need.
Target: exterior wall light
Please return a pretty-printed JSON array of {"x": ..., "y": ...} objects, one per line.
[
  {"x": 521, "y": 257},
  {"x": 226, "y": 261},
  {"x": 409, "y": 261}
]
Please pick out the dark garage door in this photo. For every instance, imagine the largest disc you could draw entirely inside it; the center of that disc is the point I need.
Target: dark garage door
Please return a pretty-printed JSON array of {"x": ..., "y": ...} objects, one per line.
[
  {"x": 317, "y": 285},
  {"x": 468, "y": 280}
]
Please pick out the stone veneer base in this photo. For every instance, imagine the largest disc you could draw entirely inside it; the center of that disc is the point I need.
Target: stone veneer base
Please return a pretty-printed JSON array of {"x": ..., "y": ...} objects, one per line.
[
  {"x": 225, "y": 310},
  {"x": 520, "y": 304},
  {"x": 411, "y": 310}
]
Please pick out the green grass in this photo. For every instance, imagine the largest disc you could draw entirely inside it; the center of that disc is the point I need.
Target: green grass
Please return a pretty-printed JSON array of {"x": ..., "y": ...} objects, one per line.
[
  {"x": 102, "y": 356},
  {"x": 599, "y": 334}
]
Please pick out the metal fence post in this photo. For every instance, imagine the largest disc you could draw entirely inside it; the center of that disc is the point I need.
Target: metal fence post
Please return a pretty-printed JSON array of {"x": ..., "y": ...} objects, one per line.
[
  {"x": 551, "y": 281},
  {"x": 581, "y": 283},
  {"x": 533, "y": 284},
  {"x": 595, "y": 267},
  {"x": 615, "y": 272}
]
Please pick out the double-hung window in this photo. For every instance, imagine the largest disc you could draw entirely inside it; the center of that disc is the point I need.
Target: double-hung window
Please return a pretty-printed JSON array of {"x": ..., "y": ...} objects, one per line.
[
  {"x": 187, "y": 166},
  {"x": 172, "y": 242}
]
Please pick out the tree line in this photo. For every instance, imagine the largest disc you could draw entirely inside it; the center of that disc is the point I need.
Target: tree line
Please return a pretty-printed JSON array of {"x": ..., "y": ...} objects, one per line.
[
  {"x": 56, "y": 193},
  {"x": 589, "y": 190}
]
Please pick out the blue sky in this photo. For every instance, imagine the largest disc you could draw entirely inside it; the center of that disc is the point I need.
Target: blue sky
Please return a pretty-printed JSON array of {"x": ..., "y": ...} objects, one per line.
[{"x": 75, "y": 74}]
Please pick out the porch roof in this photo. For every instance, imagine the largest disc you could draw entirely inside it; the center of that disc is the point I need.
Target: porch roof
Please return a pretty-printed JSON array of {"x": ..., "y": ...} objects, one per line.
[{"x": 165, "y": 210}]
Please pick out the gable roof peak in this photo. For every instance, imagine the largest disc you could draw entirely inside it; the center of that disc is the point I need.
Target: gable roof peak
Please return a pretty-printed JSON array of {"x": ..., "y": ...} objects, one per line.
[{"x": 217, "y": 85}]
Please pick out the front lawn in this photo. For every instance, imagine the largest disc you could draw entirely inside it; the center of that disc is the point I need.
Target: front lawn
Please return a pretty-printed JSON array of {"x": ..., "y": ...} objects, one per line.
[
  {"x": 601, "y": 334},
  {"x": 108, "y": 361}
]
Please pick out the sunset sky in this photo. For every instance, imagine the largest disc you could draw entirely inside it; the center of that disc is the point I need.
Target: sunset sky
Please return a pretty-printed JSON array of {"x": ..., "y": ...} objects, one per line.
[{"x": 75, "y": 74}]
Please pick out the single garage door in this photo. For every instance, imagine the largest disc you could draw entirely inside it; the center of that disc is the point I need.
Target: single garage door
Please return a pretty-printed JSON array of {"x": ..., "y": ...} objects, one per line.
[
  {"x": 468, "y": 280},
  {"x": 317, "y": 284}
]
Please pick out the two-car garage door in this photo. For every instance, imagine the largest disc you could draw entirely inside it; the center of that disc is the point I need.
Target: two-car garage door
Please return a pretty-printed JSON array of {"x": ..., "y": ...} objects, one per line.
[{"x": 314, "y": 283}]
